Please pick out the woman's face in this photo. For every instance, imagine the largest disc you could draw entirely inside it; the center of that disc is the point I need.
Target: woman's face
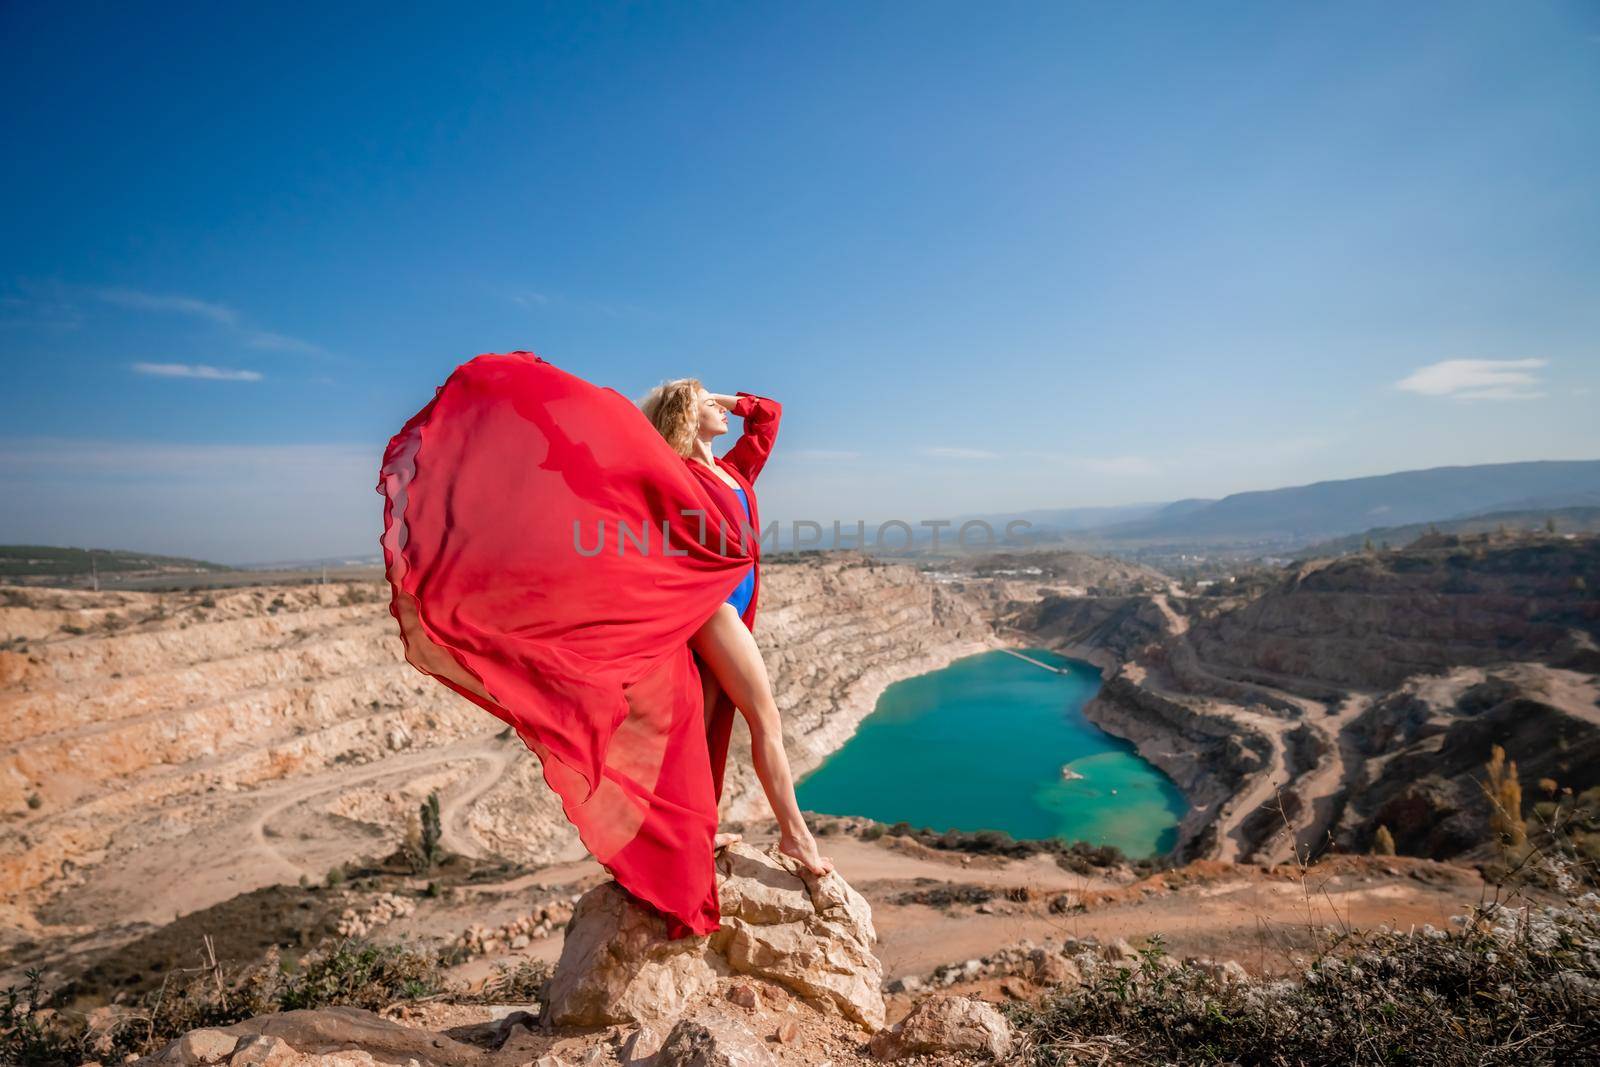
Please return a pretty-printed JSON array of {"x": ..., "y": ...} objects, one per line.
[{"x": 713, "y": 416}]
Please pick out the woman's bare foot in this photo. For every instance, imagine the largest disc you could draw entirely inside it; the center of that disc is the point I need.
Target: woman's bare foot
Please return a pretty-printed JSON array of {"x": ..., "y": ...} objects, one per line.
[
  {"x": 724, "y": 839},
  {"x": 804, "y": 850}
]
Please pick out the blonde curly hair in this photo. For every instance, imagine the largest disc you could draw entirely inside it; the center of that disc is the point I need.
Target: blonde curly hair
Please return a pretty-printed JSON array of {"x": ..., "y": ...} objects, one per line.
[{"x": 673, "y": 408}]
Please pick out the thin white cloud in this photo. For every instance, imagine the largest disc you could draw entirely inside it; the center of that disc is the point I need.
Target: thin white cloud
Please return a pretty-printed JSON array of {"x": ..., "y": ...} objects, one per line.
[
  {"x": 195, "y": 308},
  {"x": 196, "y": 370},
  {"x": 182, "y": 305},
  {"x": 529, "y": 299},
  {"x": 277, "y": 342},
  {"x": 1477, "y": 379},
  {"x": 939, "y": 452}
]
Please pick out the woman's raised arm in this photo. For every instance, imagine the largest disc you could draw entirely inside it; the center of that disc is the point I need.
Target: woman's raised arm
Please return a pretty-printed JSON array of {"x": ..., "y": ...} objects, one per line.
[{"x": 761, "y": 416}]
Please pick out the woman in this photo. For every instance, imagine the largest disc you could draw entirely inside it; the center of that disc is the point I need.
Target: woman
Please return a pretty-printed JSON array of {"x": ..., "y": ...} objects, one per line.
[
  {"x": 551, "y": 559},
  {"x": 732, "y": 670}
]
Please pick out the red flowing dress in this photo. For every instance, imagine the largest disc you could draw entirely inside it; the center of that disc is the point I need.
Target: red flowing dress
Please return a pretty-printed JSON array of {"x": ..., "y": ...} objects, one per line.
[{"x": 545, "y": 546}]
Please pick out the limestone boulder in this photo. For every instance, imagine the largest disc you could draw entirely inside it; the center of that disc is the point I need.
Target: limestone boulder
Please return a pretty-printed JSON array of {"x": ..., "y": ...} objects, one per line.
[
  {"x": 813, "y": 936},
  {"x": 618, "y": 965},
  {"x": 946, "y": 1023},
  {"x": 1052, "y": 969}
]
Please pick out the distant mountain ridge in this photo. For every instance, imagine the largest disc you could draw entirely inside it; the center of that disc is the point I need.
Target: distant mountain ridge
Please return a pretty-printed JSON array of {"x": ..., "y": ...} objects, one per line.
[{"x": 1325, "y": 510}]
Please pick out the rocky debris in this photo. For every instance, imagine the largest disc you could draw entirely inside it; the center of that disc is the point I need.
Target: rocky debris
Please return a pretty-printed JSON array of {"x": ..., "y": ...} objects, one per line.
[
  {"x": 480, "y": 940},
  {"x": 812, "y": 936},
  {"x": 1052, "y": 969},
  {"x": 1049, "y": 964},
  {"x": 945, "y": 1023},
  {"x": 1119, "y": 950},
  {"x": 1223, "y": 972},
  {"x": 1065, "y": 902},
  {"x": 386, "y": 908},
  {"x": 327, "y": 1036},
  {"x": 745, "y": 995},
  {"x": 201, "y": 1046},
  {"x": 1065, "y": 964},
  {"x": 712, "y": 1037},
  {"x": 949, "y": 895}
]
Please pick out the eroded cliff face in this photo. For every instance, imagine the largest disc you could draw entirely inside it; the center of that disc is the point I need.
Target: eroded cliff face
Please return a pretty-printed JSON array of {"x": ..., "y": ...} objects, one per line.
[
  {"x": 198, "y": 745},
  {"x": 1371, "y": 621},
  {"x": 1362, "y": 690},
  {"x": 1427, "y": 742}
]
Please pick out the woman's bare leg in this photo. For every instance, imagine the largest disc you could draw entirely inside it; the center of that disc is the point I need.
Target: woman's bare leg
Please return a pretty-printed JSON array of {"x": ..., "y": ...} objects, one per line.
[
  {"x": 729, "y": 649},
  {"x": 710, "y": 691}
]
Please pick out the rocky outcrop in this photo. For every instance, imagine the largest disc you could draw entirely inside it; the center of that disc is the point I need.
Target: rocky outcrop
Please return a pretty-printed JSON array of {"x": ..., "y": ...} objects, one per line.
[
  {"x": 1116, "y": 625},
  {"x": 811, "y": 936},
  {"x": 1371, "y": 621}
]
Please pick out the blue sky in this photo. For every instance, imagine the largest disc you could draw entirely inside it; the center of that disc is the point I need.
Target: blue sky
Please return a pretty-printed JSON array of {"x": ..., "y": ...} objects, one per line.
[{"x": 990, "y": 257}]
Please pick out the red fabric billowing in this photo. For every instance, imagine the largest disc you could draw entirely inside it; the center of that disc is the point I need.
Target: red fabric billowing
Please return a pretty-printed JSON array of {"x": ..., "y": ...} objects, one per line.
[{"x": 493, "y": 494}]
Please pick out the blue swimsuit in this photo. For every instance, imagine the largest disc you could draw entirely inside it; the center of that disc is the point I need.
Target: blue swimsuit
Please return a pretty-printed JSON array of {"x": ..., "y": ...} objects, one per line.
[{"x": 740, "y": 597}]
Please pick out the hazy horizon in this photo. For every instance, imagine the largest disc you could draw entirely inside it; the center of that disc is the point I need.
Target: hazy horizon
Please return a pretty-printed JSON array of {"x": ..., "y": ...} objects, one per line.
[{"x": 1055, "y": 256}]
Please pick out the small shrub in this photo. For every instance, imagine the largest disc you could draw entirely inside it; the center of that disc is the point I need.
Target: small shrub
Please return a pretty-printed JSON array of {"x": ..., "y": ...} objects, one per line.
[
  {"x": 523, "y": 984},
  {"x": 423, "y": 832},
  {"x": 1505, "y": 801},
  {"x": 26, "y": 1035}
]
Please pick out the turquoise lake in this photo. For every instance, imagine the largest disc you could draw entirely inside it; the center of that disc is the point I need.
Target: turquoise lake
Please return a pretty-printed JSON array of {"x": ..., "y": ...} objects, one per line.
[{"x": 980, "y": 745}]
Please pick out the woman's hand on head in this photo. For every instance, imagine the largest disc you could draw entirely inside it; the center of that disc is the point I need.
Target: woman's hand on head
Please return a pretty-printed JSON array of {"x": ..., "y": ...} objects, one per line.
[{"x": 725, "y": 400}]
